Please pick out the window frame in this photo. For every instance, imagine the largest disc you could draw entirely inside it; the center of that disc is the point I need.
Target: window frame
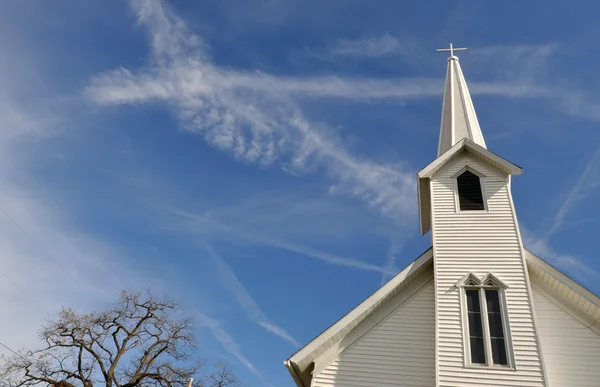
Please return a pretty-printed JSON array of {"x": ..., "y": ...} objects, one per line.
[
  {"x": 489, "y": 282},
  {"x": 481, "y": 187}
]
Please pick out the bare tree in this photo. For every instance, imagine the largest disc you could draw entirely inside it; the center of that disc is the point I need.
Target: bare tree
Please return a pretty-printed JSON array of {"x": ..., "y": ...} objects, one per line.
[{"x": 140, "y": 342}]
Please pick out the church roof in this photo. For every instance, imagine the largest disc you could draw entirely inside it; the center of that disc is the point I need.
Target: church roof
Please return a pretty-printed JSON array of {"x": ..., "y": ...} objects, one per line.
[
  {"x": 458, "y": 113},
  {"x": 300, "y": 364},
  {"x": 576, "y": 298}
]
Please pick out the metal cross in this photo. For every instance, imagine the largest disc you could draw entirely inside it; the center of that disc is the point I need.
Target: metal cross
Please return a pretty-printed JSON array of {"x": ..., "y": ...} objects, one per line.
[{"x": 451, "y": 50}]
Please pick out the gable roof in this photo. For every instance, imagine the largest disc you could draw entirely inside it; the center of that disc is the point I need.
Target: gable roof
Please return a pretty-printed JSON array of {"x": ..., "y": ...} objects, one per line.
[
  {"x": 464, "y": 145},
  {"x": 300, "y": 364},
  {"x": 581, "y": 301}
]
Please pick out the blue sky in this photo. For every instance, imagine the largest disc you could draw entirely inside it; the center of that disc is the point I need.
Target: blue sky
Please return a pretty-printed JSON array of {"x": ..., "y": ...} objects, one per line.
[{"x": 257, "y": 159}]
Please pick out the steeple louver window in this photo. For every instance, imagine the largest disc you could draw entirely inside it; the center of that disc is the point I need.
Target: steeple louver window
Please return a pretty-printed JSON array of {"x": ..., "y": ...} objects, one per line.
[{"x": 470, "y": 195}]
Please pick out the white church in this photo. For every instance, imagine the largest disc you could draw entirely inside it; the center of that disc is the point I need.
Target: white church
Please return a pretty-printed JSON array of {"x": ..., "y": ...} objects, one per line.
[{"x": 475, "y": 309}]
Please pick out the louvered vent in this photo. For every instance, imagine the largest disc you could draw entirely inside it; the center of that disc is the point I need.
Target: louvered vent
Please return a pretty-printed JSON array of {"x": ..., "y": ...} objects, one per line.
[{"x": 469, "y": 192}]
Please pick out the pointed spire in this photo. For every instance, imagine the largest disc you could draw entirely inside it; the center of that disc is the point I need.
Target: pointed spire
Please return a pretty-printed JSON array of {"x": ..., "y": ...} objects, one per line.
[{"x": 458, "y": 114}]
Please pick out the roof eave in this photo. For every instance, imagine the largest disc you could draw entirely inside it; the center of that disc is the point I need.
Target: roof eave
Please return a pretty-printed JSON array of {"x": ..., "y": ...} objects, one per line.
[
  {"x": 292, "y": 369},
  {"x": 299, "y": 362},
  {"x": 562, "y": 277},
  {"x": 466, "y": 144}
]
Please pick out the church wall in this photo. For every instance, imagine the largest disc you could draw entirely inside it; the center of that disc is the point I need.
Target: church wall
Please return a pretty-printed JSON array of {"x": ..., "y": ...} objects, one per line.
[
  {"x": 571, "y": 350},
  {"x": 480, "y": 242},
  {"x": 398, "y": 351}
]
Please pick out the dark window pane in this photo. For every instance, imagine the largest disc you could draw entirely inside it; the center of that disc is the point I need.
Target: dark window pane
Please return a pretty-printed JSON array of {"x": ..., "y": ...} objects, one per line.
[
  {"x": 469, "y": 192},
  {"x": 496, "y": 325},
  {"x": 498, "y": 343},
  {"x": 475, "y": 326},
  {"x": 477, "y": 350},
  {"x": 493, "y": 301},
  {"x": 499, "y": 351},
  {"x": 473, "y": 300}
]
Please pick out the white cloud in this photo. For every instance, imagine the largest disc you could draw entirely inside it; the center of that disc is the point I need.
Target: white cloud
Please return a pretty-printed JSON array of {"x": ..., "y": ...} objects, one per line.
[
  {"x": 205, "y": 225},
  {"x": 397, "y": 243},
  {"x": 373, "y": 46},
  {"x": 570, "y": 264},
  {"x": 254, "y": 117},
  {"x": 588, "y": 181},
  {"x": 531, "y": 61},
  {"x": 42, "y": 251},
  {"x": 233, "y": 285},
  {"x": 228, "y": 343}
]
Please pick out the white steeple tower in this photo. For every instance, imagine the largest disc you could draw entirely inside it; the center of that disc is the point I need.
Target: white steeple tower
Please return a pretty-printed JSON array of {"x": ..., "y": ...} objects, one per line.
[
  {"x": 458, "y": 114},
  {"x": 486, "y": 331}
]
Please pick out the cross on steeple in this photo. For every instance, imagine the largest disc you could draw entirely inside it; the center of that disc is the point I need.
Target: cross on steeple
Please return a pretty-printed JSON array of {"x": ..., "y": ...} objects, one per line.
[{"x": 451, "y": 50}]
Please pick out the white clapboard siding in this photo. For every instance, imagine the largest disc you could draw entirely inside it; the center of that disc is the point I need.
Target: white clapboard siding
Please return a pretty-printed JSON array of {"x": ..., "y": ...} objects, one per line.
[
  {"x": 480, "y": 242},
  {"x": 397, "y": 352},
  {"x": 571, "y": 350}
]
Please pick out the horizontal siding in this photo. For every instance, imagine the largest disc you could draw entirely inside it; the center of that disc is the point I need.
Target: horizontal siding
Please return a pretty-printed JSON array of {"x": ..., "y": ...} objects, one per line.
[
  {"x": 571, "y": 350},
  {"x": 480, "y": 242},
  {"x": 397, "y": 352}
]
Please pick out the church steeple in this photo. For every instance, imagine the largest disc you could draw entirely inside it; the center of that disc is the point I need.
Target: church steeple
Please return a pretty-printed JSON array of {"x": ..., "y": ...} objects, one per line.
[
  {"x": 459, "y": 132},
  {"x": 458, "y": 113}
]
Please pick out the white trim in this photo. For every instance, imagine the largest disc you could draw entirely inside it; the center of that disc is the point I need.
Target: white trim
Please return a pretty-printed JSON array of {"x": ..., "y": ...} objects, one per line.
[
  {"x": 435, "y": 295},
  {"x": 466, "y": 144},
  {"x": 452, "y": 115},
  {"x": 563, "y": 278},
  {"x": 464, "y": 323},
  {"x": 468, "y": 168},
  {"x": 488, "y": 280},
  {"x": 495, "y": 282},
  {"x": 292, "y": 370},
  {"x": 470, "y": 276},
  {"x": 306, "y": 355}
]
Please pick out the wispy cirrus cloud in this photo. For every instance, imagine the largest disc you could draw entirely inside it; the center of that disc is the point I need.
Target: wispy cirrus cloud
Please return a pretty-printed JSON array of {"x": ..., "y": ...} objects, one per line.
[
  {"x": 569, "y": 263},
  {"x": 228, "y": 343},
  {"x": 46, "y": 257},
  {"x": 233, "y": 285},
  {"x": 372, "y": 46},
  {"x": 586, "y": 184},
  {"x": 207, "y": 226},
  {"x": 255, "y": 117},
  {"x": 530, "y": 60}
]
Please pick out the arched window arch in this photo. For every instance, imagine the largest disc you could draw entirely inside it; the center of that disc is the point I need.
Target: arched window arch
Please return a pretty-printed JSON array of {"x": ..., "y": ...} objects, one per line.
[{"x": 470, "y": 192}]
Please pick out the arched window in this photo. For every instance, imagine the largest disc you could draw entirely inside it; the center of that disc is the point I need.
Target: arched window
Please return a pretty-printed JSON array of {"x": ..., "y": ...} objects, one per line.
[
  {"x": 470, "y": 195},
  {"x": 487, "y": 334}
]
